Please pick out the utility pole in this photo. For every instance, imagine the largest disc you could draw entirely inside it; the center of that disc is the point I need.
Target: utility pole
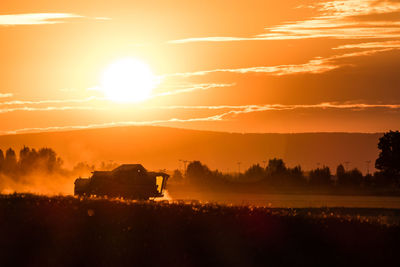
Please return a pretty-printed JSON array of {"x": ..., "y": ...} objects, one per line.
[
  {"x": 368, "y": 162},
  {"x": 180, "y": 166},
  {"x": 184, "y": 164},
  {"x": 239, "y": 166}
]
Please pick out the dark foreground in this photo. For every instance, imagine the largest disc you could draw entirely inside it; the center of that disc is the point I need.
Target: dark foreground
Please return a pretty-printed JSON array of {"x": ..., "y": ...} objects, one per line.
[{"x": 65, "y": 231}]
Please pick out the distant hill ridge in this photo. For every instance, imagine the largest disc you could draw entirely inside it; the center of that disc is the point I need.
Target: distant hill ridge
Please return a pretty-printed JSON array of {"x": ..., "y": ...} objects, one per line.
[{"x": 162, "y": 147}]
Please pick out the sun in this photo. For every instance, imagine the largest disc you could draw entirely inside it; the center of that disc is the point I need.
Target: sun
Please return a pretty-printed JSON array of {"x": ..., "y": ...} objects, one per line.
[{"x": 128, "y": 80}]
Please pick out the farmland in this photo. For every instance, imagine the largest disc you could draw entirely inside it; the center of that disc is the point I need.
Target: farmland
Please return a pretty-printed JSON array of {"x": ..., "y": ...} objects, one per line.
[{"x": 63, "y": 230}]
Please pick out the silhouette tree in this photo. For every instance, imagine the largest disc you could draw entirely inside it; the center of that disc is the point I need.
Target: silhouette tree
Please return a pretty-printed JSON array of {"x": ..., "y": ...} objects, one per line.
[
  {"x": 320, "y": 176},
  {"x": 295, "y": 175},
  {"x": 276, "y": 166},
  {"x": 255, "y": 172},
  {"x": 177, "y": 176},
  {"x": 348, "y": 178},
  {"x": 355, "y": 177},
  {"x": 388, "y": 161},
  {"x": 381, "y": 180},
  {"x": 197, "y": 172},
  {"x": 276, "y": 171},
  {"x": 49, "y": 160},
  {"x": 27, "y": 160},
  {"x": 340, "y": 171},
  {"x": 10, "y": 161}
]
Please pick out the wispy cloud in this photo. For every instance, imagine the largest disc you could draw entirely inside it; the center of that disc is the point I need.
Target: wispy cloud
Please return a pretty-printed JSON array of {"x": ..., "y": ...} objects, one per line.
[
  {"x": 244, "y": 109},
  {"x": 356, "y": 20},
  {"x": 194, "y": 87},
  {"x": 313, "y": 66},
  {"x": 347, "y": 8},
  {"x": 36, "y": 18},
  {"x": 228, "y": 111},
  {"x": 93, "y": 101},
  {"x": 5, "y": 95},
  {"x": 277, "y": 107},
  {"x": 234, "y": 108},
  {"x": 336, "y": 19},
  {"x": 39, "y": 18},
  {"x": 108, "y": 124},
  {"x": 316, "y": 65},
  {"x": 386, "y": 44},
  {"x": 176, "y": 88},
  {"x": 49, "y": 101},
  {"x": 215, "y": 39},
  {"x": 51, "y": 108}
]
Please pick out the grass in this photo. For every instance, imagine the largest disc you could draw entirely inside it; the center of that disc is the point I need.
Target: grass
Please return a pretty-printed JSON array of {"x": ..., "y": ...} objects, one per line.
[{"x": 57, "y": 231}]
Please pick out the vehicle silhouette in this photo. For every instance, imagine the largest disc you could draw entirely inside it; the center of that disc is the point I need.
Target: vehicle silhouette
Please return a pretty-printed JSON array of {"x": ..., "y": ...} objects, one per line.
[{"x": 131, "y": 181}]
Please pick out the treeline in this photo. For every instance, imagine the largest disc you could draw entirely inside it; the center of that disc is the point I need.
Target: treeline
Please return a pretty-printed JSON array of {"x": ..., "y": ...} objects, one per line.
[
  {"x": 45, "y": 161},
  {"x": 29, "y": 160},
  {"x": 277, "y": 174}
]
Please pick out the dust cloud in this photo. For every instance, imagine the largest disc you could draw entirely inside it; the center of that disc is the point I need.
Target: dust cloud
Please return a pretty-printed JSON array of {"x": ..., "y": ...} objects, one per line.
[{"x": 41, "y": 172}]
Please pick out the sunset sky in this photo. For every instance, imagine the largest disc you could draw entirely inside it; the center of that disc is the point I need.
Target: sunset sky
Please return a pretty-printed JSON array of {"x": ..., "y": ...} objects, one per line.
[{"x": 237, "y": 66}]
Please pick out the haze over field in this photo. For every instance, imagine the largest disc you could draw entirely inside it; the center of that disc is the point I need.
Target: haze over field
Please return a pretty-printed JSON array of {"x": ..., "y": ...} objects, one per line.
[{"x": 162, "y": 148}]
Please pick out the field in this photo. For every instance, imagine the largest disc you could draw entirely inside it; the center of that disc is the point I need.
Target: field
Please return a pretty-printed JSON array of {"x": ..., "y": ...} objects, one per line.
[
  {"x": 40, "y": 231},
  {"x": 286, "y": 200}
]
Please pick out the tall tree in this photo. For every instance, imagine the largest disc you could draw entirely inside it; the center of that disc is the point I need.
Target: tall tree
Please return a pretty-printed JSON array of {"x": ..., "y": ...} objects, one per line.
[
  {"x": 10, "y": 161},
  {"x": 276, "y": 166},
  {"x": 196, "y": 171},
  {"x": 255, "y": 172},
  {"x": 27, "y": 159},
  {"x": 340, "y": 171},
  {"x": 320, "y": 177},
  {"x": 388, "y": 161}
]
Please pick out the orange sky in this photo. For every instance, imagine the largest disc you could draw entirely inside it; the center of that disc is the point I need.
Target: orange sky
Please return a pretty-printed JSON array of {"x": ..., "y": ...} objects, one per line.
[{"x": 238, "y": 66}]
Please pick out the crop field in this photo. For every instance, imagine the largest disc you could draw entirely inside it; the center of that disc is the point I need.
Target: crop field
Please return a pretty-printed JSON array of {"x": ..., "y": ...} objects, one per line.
[{"x": 67, "y": 231}]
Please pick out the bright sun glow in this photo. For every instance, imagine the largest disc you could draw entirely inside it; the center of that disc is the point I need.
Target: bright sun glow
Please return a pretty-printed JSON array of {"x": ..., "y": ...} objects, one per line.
[{"x": 128, "y": 80}]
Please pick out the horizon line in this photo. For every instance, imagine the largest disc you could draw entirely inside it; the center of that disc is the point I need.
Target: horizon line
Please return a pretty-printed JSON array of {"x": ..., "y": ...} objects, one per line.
[{"x": 79, "y": 128}]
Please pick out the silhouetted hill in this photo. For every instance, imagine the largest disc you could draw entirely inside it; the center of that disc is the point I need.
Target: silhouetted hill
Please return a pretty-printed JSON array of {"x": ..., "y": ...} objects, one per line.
[{"x": 162, "y": 147}]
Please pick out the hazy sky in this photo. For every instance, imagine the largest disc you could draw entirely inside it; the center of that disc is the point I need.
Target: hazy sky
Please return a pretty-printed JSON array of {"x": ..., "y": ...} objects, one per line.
[{"x": 239, "y": 66}]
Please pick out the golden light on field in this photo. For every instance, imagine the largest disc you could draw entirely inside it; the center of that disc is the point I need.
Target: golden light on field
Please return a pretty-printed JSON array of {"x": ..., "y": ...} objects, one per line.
[{"x": 128, "y": 80}]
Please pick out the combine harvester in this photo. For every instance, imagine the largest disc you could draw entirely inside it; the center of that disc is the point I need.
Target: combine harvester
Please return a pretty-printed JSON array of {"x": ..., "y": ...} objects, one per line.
[{"x": 131, "y": 181}]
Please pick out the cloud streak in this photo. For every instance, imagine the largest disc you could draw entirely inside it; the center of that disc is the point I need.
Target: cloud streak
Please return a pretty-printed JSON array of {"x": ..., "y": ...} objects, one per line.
[
  {"x": 313, "y": 66},
  {"x": 234, "y": 108},
  {"x": 277, "y": 107},
  {"x": 245, "y": 109},
  {"x": 2, "y": 95},
  {"x": 195, "y": 87},
  {"x": 39, "y": 18},
  {"x": 336, "y": 19},
  {"x": 231, "y": 111},
  {"x": 52, "y": 108},
  {"x": 216, "y": 39},
  {"x": 108, "y": 124},
  {"x": 49, "y": 101},
  {"x": 35, "y": 18},
  {"x": 386, "y": 44}
]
